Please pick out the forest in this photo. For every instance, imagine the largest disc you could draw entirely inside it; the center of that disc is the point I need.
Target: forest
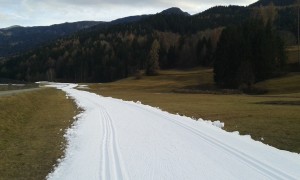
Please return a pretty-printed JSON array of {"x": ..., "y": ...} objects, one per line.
[
  {"x": 245, "y": 43},
  {"x": 247, "y": 54}
]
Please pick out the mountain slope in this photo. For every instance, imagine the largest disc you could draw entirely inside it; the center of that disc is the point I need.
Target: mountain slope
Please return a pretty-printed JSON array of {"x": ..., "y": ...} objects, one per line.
[
  {"x": 275, "y": 2},
  {"x": 129, "y": 19},
  {"x": 107, "y": 52},
  {"x": 17, "y": 39},
  {"x": 174, "y": 10},
  {"x": 132, "y": 19},
  {"x": 118, "y": 49}
]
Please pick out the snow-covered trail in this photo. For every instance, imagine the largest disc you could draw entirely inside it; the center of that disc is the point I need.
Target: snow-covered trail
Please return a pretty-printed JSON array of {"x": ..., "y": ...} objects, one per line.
[{"x": 115, "y": 139}]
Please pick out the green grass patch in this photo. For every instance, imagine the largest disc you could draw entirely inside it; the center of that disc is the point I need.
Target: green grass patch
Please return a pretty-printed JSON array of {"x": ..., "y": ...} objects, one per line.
[
  {"x": 32, "y": 125},
  {"x": 277, "y": 125}
]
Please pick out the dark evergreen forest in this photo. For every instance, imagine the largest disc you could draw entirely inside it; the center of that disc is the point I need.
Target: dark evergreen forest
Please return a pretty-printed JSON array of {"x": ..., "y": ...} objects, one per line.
[{"x": 248, "y": 53}]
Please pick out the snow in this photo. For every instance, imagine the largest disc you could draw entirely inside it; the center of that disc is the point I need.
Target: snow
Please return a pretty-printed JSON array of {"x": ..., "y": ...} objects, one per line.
[
  {"x": 82, "y": 87},
  {"x": 115, "y": 139},
  {"x": 218, "y": 124},
  {"x": 12, "y": 84}
]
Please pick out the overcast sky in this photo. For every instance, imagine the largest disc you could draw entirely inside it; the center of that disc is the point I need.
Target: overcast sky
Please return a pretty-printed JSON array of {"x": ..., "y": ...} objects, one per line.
[{"x": 47, "y": 12}]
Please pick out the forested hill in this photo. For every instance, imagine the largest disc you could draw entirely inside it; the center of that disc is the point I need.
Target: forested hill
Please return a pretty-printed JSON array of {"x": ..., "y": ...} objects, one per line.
[
  {"x": 107, "y": 52},
  {"x": 174, "y": 10},
  {"x": 17, "y": 39},
  {"x": 275, "y": 2}
]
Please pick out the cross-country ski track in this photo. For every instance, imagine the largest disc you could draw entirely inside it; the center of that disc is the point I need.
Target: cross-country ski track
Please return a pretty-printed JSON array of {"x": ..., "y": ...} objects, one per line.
[{"x": 116, "y": 139}]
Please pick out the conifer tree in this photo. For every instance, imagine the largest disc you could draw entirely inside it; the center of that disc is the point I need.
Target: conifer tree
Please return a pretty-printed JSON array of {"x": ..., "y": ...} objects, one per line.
[{"x": 152, "y": 65}]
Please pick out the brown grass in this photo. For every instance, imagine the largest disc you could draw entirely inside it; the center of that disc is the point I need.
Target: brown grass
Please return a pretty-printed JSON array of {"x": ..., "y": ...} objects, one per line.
[
  {"x": 283, "y": 85},
  {"x": 32, "y": 125}
]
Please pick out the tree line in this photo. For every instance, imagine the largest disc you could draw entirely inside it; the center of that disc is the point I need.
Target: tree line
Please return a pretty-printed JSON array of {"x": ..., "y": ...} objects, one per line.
[
  {"x": 110, "y": 55},
  {"x": 241, "y": 53}
]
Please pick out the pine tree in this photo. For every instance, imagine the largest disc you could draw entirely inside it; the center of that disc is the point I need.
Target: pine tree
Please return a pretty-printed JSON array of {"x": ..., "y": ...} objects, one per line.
[{"x": 152, "y": 65}]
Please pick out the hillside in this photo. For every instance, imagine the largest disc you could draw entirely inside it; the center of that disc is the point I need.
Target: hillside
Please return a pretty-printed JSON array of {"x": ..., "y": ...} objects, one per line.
[
  {"x": 114, "y": 50},
  {"x": 17, "y": 39},
  {"x": 275, "y": 2},
  {"x": 174, "y": 10}
]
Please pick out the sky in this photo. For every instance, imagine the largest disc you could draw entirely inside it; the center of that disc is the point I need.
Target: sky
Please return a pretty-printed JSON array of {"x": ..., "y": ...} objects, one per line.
[{"x": 47, "y": 12}]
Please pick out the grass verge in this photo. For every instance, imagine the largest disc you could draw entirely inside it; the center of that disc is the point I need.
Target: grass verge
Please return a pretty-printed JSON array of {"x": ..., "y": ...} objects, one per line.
[
  {"x": 277, "y": 125},
  {"x": 32, "y": 125}
]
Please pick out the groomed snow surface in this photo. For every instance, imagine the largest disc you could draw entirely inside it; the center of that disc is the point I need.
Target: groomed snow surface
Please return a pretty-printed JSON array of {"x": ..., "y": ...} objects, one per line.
[{"x": 115, "y": 139}]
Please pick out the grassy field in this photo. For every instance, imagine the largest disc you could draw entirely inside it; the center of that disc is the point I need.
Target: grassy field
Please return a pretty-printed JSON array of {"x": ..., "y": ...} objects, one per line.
[
  {"x": 288, "y": 84},
  {"x": 273, "y": 118},
  {"x": 32, "y": 125}
]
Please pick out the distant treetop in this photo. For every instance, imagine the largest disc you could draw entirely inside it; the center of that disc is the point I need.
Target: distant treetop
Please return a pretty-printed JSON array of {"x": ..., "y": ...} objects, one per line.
[
  {"x": 174, "y": 10},
  {"x": 275, "y": 2}
]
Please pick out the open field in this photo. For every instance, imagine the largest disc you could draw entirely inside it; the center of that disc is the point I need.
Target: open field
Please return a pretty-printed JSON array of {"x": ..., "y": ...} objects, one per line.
[
  {"x": 31, "y": 131},
  {"x": 277, "y": 124},
  {"x": 284, "y": 85}
]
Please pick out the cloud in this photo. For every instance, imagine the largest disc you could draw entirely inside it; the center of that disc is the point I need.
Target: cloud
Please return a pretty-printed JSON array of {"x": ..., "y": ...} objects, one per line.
[{"x": 46, "y": 12}]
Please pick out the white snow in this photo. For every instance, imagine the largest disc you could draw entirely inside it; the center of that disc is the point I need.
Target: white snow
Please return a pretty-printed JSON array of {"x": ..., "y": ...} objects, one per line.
[
  {"x": 218, "y": 123},
  {"x": 115, "y": 139},
  {"x": 82, "y": 87},
  {"x": 12, "y": 84}
]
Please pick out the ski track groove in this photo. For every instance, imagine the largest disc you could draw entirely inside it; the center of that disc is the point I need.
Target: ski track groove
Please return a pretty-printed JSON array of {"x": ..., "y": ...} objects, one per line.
[
  {"x": 111, "y": 164},
  {"x": 254, "y": 163}
]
